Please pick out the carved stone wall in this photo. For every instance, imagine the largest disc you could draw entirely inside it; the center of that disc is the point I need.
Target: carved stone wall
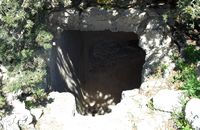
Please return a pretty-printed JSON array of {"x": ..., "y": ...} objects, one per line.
[{"x": 153, "y": 35}]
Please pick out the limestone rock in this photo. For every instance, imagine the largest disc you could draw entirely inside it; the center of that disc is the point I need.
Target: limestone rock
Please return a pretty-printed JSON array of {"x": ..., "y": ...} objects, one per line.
[
  {"x": 156, "y": 121},
  {"x": 19, "y": 118},
  {"x": 37, "y": 113},
  {"x": 153, "y": 84},
  {"x": 134, "y": 106},
  {"x": 192, "y": 113},
  {"x": 57, "y": 113},
  {"x": 129, "y": 93},
  {"x": 154, "y": 35},
  {"x": 168, "y": 100}
]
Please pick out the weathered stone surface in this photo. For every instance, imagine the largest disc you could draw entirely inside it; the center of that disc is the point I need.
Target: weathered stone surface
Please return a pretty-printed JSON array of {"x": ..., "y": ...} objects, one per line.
[
  {"x": 168, "y": 100},
  {"x": 129, "y": 93},
  {"x": 96, "y": 19},
  {"x": 131, "y": 113},
  {"x": 192, "y": 113},
  {"x": 57, "y": 113},
  {"x": 37, "y": 113},
  {"x": 154, "y": 39},
  {"x": 19, "y": 118},
  {"x": 154, "y": 36},
  {"x": 155, "y": 121},
  {"x": 140, "y": 116},
  {"x": 154, "y": 85}
]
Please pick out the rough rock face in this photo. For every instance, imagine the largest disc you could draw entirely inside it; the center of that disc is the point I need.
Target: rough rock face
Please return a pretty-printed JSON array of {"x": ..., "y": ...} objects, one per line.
[
  {"x": 154, "y": 36},
  {"x": 168, "y": 100},
  {"x": 20, "y": 118},
  {"x": 192, "y": 113},
  {"x": 57, "y": 113},
  {"x": 131, "y": 113}
]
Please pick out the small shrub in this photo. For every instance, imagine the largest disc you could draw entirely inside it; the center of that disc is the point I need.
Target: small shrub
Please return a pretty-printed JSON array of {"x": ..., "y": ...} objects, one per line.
[
  {"x": 150, "y": 104},
  {"x": 180, "y": 121},
  {"x": 187, "y": 75},
  {"x": 2, "y": 102},
  {"x": 36, "y": 98},
  {"x": 192, "y": 55},
  {"x": 187, "y": 72},
  {"x": 189, "y": 12},
  {"x": 28, "y": 78},
  {"x": 44, "y": 38}
]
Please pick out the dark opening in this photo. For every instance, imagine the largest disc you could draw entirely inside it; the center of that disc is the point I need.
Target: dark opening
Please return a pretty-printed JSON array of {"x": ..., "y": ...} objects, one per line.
[{"x": 101, "y": 63}]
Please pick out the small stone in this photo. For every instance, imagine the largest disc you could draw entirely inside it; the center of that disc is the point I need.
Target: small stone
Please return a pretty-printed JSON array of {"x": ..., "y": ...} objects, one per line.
[
  {"x": 192, "y": 113},
  {"x": 129, "y": 93},
  {"x": 57, "y": 113},
  {"x": 168, "y": 100}
]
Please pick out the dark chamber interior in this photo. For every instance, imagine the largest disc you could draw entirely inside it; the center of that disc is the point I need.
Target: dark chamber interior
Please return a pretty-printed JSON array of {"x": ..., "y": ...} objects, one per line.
[{"x": 101, "y": 63}]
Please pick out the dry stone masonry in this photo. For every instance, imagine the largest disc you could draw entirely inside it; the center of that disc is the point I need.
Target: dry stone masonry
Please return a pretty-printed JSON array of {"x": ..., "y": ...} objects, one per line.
[{"x": 153, "y": 36}]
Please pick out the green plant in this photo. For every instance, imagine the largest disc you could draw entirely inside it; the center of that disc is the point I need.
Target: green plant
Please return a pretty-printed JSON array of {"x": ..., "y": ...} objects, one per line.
[
  {"x": 150, "y": 104},
  {"x": 189, "y": 12},
  {"x": 192, "y": 55},
  {"x": 187, "y": 75},
  {"x": 160, "y": 70},
  {"x": 43, "y": 38},
  {"x": 187, "y": 72},
  {"x": 180, "y": 121},
  {"x": 36, "y": 98},
  {"x": 23, "y": 38},
  {"x": 2, "y": 102}
]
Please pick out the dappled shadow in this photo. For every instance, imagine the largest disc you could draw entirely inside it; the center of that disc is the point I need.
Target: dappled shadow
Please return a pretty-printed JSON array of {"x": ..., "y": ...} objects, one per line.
[
  {"x": 30, "y": 102},
  {"x": 96, "y": 67},
  {"x": 113, "y": 66},
  {"x": 6, "y": 109}
]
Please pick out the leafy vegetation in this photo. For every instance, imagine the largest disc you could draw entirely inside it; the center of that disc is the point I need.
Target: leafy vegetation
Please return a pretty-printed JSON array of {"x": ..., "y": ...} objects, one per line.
[
  {"x": 2, "y": 101},
  {"x": 23, "y": 39},
  {"x": 181, "y": 123},
  {"x": 186, "y": 70},
  {"x": 189, "y": 12}
]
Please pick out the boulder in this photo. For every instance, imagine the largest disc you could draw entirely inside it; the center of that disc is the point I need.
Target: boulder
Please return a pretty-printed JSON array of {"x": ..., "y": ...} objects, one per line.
[
  {"x": 192, "y": 113},
  {"x": 168, "y": 100},
  {"x": 20, "y": 118},
  {"x": 57, "y": 113}
]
